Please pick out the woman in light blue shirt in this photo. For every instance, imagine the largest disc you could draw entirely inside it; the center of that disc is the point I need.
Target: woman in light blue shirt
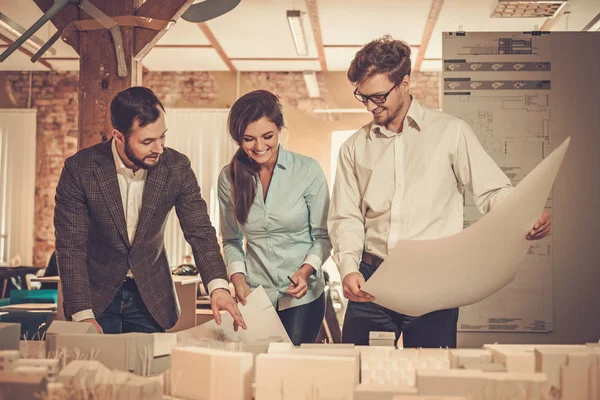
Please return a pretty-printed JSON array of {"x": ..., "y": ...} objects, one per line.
[{"x": 278, "y": 201}]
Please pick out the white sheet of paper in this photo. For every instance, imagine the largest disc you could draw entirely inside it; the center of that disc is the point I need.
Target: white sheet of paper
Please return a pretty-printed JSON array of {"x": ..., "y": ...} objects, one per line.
[
  {"x": 261, "y": 320},
  {"x": 421, "y": 276}
]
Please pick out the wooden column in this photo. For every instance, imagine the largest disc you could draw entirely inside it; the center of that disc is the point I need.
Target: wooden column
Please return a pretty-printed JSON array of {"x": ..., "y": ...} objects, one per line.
[{"x": 98, "y": 80}]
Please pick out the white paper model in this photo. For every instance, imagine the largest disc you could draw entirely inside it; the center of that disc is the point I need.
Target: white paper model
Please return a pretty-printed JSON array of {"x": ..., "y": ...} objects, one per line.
[
  {"x": 260, "y": 317},
  {"x": 224, "y": 374},
  {"x": 296, "y": 377},
  {"x": 420, "y": 276},
  {"x": 9, "y": 336}
]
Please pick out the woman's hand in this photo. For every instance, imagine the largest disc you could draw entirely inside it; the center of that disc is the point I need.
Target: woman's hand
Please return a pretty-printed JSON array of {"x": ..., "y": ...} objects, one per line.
[
  {"x": 241, "y": 287},
  {"x": 300, "y": 278}
]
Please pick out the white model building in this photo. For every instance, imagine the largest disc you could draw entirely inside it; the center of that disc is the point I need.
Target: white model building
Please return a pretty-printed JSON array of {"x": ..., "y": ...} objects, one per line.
[
  {"x": 199, "y": 373},
  {"x": 8, "y": 359},
  {"x": 9, "y": 336},
  {"x": 286, "y": 376},
  {"x": 50, "y": 366}
]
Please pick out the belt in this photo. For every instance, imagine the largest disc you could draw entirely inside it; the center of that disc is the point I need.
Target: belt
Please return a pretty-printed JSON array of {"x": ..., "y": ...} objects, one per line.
[
  {"x": 371, "y": 259},
  {"x": 129, "y": 282}
]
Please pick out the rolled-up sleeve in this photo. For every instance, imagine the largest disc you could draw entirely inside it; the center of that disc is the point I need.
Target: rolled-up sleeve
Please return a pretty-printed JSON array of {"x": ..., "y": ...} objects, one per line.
[
  {"x": 346, "y": 220},
  {"x": 317, "y": 200},
  {"x": 477, "y": 172},
  {"x": 232, "y": 236}
]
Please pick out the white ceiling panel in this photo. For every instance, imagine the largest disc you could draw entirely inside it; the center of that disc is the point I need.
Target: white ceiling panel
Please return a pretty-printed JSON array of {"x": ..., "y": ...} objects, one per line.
[
  {"x": 26, "y": 13},
  {"x": 18, "y": 61},
  {"x": 276, "y": 65},
  {"x": 184, "y": 32},
  {"x": 473, "y": 16},
  {"x": 259, "y": 29},
  {"x": 580, "y": 13},
  {"x": 359, "y": 21},
  {"x": 64, "y": 65},
  {"x": 174, "y": 59}
]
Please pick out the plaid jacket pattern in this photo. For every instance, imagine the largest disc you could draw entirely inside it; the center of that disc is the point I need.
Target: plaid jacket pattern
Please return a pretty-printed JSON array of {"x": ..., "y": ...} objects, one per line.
[{"x": 92, "y": 247}]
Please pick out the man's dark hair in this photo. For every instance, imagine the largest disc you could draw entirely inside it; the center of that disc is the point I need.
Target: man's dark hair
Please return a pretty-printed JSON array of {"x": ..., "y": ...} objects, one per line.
[
  {"x": 381, "y": 56},
  {"x": 134, "y": 104}
]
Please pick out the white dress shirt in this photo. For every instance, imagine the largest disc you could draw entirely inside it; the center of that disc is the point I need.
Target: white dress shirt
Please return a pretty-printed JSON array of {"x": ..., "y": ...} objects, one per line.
[
  {"x": 408, "y": 185},
  {"x": 131, "y": 186}
]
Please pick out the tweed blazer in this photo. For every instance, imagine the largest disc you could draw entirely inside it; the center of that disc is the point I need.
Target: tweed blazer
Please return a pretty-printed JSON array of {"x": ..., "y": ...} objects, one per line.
[{"x": 92, "y": 246}]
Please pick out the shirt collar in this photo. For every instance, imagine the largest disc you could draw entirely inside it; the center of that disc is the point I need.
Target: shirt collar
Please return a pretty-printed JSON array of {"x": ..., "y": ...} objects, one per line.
[
  {"x": 119, "y": 165},
  {"x": 283, "y": 158},
  {"x": 414, "y": 116}
]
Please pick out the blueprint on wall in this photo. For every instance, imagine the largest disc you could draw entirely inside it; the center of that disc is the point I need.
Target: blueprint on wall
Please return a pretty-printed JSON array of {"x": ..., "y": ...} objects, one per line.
[{"x": 500, "y": 84}]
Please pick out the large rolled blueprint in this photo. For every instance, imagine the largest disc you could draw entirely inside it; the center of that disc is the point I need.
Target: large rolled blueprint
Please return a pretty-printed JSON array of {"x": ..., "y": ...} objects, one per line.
[{"x": 421, "y": 276}]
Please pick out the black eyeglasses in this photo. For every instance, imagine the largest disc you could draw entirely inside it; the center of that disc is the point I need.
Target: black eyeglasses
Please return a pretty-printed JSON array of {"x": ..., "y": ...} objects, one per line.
[{"x": 375, "y": 98}]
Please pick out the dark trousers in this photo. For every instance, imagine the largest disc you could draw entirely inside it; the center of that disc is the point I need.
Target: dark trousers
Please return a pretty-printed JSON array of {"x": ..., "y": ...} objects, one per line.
[
  {"x": 127, "y": 312},
  {"x": 302, "y": 323},
  {"x": 433, "y": 330}
]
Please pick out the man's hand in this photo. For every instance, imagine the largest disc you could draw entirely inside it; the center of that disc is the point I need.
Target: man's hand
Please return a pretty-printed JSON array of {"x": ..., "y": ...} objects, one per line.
[
  {"x": 95, "y": 323},
  {"x": 542, "y": 227},
  {"x": 220, "y": 299},
  {"x": 352, "y": 284},
  {"x": 241, "y": 287},
  {"x": 300, "y": 278}
]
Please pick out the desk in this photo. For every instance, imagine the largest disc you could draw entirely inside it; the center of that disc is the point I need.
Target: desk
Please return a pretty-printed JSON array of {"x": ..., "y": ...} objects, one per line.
[
  {"x": 186, "y": 288},
  {"x": 13, "y": 272}
]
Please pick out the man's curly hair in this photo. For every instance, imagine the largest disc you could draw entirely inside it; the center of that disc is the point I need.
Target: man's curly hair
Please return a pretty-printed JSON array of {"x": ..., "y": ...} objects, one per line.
[{"x": 381, "y": 56}]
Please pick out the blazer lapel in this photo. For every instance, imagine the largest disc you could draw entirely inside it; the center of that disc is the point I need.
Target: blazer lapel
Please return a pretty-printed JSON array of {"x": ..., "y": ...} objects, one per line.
[
  {"x": 105, "y": 173},
  {"x": 153, "y": 189}
]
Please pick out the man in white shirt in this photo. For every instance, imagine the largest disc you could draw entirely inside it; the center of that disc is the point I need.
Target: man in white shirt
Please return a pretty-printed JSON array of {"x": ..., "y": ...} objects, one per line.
[
  {"x": 402, "y": 176},
  {"x": 112, "y": 203}
]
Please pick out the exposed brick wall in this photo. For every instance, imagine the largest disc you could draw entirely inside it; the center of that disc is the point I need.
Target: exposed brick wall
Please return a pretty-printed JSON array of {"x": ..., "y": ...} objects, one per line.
[
  {"x": 182, "y": 89},
  {"x": 55, "y": 97},
  {"x": 288, "y": 86},
  {"x": 425, "y": 87}
]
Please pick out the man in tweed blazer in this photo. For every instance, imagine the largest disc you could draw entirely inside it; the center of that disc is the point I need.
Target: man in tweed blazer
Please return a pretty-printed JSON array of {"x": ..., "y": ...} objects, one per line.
[{"x": 112, "y": 204}]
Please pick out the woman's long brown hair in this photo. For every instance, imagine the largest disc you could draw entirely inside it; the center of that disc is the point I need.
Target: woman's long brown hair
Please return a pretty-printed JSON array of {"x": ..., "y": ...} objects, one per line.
[{"x": 243, "y": 170}]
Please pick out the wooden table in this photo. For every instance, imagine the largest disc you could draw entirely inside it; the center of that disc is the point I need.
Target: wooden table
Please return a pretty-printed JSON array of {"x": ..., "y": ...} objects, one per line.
[{"x": 186, "y": 288}]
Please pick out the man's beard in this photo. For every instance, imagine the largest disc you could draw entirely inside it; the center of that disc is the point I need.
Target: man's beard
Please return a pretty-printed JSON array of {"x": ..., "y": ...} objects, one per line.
[{"x": 139, "y": 162}]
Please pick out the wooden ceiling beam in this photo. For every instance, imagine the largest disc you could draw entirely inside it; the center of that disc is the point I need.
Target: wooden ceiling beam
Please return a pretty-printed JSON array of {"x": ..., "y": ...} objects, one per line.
[
  {"x": 146, "y": 39},
  {"x": 217, "y": 46},
  {"x": 434, "y": 13},
  {"x": 315, "y": 23}
]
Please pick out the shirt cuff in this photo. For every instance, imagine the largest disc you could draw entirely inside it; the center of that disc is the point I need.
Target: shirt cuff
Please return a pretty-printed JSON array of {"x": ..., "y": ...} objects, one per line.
[
  {"x": 217, "y": 284},
  {"x": 313, "y": 261},
  {"x": 236, "y": 267},
  {"x": 83, "y": 314},
  {"x": 348, "y": 265}
]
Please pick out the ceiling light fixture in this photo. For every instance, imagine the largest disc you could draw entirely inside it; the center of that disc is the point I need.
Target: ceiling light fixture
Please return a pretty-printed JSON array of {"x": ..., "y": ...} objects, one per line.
[
  {"x": 294, "y": 18},
  {"x": 16, "y": 30},
  {"x": 527, "y": 8},
  {"x": 312, "y": 84}
]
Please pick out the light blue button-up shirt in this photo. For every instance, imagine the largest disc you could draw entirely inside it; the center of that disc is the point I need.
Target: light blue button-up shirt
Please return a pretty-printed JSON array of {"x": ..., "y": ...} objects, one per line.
[{"x": 283, "y": 233}]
